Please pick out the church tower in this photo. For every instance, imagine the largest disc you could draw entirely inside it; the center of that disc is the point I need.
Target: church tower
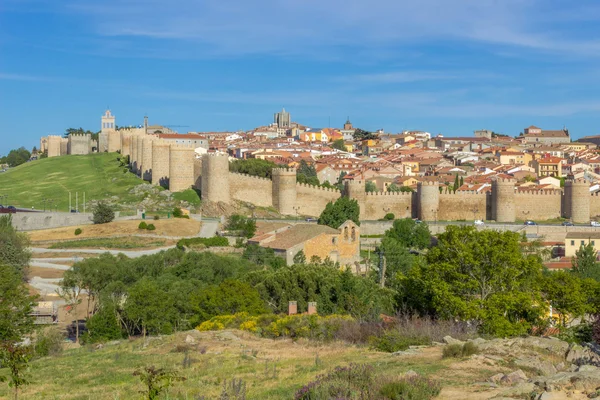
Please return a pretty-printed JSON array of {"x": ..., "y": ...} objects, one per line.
[
  {"x": 108, "y": 125},
  {"x": 348, "y": 125}
]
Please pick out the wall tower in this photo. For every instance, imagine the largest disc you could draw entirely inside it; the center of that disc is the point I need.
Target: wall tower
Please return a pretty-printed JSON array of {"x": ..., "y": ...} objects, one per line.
[
  {"x": 215, "y": 177},
  {"x": 284, "y": 190},
  {"x": 161, "y": 163},
  {"x": 577, "y": 200},
  {"x": 428, "y": 194},
  {"x": 181, "y": 168},
  {"x": 503, "y": 200},
  {"x": 355, "y": 189}
]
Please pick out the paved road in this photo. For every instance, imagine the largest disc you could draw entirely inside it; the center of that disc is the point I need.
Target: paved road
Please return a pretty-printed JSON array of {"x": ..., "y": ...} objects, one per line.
[{"x": 128, "y": 253}]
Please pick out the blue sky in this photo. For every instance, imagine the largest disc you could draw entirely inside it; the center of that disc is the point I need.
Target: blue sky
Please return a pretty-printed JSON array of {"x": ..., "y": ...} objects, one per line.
[{"x": 445, "y": 66}]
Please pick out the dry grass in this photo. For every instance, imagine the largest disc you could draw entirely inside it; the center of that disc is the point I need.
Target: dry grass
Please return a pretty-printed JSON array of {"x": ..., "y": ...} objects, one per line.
[
  {"x": 51, "y": 254},
  {"x": 45, "y": 273},
  {"x": 164, "y": 227}
]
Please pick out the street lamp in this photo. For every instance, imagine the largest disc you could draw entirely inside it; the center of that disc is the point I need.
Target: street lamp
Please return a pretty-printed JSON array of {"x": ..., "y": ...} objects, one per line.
[{"x": 296, "y": 208}]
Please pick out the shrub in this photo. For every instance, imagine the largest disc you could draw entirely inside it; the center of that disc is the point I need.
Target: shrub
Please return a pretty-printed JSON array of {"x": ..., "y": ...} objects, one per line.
[
  {"x": 460, "y": 351},
  {"x": 48, "y": 342},
  {"x": 392, "y": 341},
  {"x": 151, "y": 227},
  {"x": 579, "y": 334},
  {"x": 156, "y": 217},
  {"x": 411, "y": 387},
  {"x": 177, "y": 213},
  {"x": 216, "y": 241},
  {"x": 239, "y": 223},
  {"x": 389, "y": 217},
  {"x": 143, "y": 225},
  {"x": 78, "y": 231},
  {"x": 103, "y": 214}
]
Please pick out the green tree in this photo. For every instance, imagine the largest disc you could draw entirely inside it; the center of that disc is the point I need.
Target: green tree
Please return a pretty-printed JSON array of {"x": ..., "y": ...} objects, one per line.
[
  {"x": 156, "y": 380},
  {"x": 17, "y": 157},
  {"x": 307, "y": 173},
  {"x": 104, "y": 325},
  {"x": 102, "y": 213},
  {"x": 399, "y": 261},
  {"x": 149, "y": 307},
  {"x": 370, "y": 187},
  {"x": 343, "y": 209},
  {"x": 16, "y": 306},
  {"x": 14, "y": 246},
  {"x": 244, "y": 225},
  {"x": 410, "y": 234},
  {"x": 570, "y": 295},
  {"x": 300, "y": 257},
  {"x": 395, "y": 188},
  {"x": 360, "y": 134},
  {"x": 480, "y": 276},
  {"x": 253, "y": 166},
  {"x": 229, "y": 297},
  {"x": 585, "y": 264},
  {"x": 456, "y": 183},
  {"x": 262, "y": 256},
  {"x": 16, "y": 358},
  {"x": 339, "y": 145},
  {"x": 462, "y": 181}
]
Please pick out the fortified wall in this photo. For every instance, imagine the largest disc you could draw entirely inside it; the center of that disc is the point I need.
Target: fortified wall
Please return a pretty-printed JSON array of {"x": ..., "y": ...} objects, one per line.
[{"x": 79, "y": 144}]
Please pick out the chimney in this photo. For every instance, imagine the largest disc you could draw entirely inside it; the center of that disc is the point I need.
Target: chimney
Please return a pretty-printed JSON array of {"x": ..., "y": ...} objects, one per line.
[
  {"x": 292, "y": 308},
  {"x": 312, "y": 307}
]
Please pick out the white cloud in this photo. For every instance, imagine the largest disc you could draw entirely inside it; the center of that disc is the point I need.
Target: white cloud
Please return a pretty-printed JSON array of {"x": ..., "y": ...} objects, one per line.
[{"x": 297, "y": 26}]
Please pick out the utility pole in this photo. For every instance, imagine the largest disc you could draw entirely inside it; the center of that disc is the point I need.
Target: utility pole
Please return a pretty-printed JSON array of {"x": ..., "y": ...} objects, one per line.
[
  {"x": 382, "y": 266},
  {"x": 84, "y": 202},
  {"x": 70, "y": 202},
  {"x": 76, "y": 201}
]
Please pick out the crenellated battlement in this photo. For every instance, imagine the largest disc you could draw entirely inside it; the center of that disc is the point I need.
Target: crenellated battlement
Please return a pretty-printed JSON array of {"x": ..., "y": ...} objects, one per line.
[
  {"x": 258, "y": 178},
  {"x": 389, "y": 194},
  {"x": 283, "y": 171},
  {"x": 464, "y": 193},
  {"x": 428, "y": 183},
  {"x": 324, "y": 189},
  {"x": 577, "y": 182},
  {"x": 539, "y": 192},
  {"x": 505, "y": 181}
]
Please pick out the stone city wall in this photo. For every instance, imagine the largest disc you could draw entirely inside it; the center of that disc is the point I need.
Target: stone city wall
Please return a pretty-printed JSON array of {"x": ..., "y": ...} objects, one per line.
[
  {"x": 538, "y": 205},
  {"x": 54, "y": 146},
  {"x": 80, "y": 144},
  {"x": 161, "y": 163},
  {"x": 251, "y": 189},
  {"x": 378, "y": 204},
  {"x": 312, "y": 200},
  {"x": 181, "y": 168},
  {"x": 462, "y": 206}
]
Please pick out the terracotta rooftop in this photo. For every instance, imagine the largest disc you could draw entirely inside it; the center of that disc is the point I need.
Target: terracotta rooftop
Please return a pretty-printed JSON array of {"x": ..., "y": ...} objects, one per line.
[{"x": 298, "y": 234}]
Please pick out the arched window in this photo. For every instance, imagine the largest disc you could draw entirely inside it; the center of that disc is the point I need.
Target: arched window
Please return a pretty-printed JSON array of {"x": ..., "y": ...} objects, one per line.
[
  {"x": 353, "y": 234},
  {"x": 346, "y": 233}
]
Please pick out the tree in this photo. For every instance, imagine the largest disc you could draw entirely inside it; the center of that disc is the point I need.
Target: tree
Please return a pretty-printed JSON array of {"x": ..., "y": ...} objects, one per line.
[
  {"x": 307, "y": 173},
  {"x": 585, "y": 264},
  {"x": 16, "y": 306},
  {"x": 229, "y": 297},
  {"x": 103, "y": 214},
  {"x": 343, "y": 209},
  {"x": 569, "y": 295},
  {"x": 360, "y": 134},
  {"x": 339, "y": 145},
  {"x": 262, "y": 256},
  {"x": 300, "y": 257},
  {"x": 253, "y": 166},
  {"x": 70, "y": 292},
  {"x": 16, "y": 358},
  {"x": 462, "y": 181},
  {"x": 245, "y": 226},
  {"x": 370, "y": 187},
  {"x": 14, "y": 246},
  {"x": 17, "y": 157},
  {"x": 481, "y": 276},
  {"x": 395, "y": 188},
  {"x": 410, "y": 234},
  {"x": 456, "y": 183},
  {"x": 156, "y": 380},
  {"x": 149, "y": 307}
]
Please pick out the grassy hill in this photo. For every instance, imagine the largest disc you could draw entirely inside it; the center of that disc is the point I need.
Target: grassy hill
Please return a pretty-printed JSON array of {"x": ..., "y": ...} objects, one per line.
[
  {"x": 100, "y": 176},
  {"x": 270, "y": 369}
]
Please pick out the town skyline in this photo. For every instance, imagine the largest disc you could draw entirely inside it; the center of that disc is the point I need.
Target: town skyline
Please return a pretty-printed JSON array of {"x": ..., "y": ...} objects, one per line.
[{"x": 444, "y": 67}]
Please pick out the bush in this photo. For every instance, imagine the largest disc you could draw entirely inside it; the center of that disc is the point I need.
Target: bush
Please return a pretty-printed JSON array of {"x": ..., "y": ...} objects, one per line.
[
  {"x": 392, "y": 341},
  {"x": 579, "y": 334},
  {"x": 460, "y": 351},
  {"x": 103, "y": 214},
  {"x": 389, "y": 217},
  {"x": 151, "y": 227},
  {"x": 216, "y": 241},
  {"x": 48, "y": 342},
  {"x": 78, "y": 231},
  {"x": 143, "y": 225},
  {"x": 156, "y": 217},
  {"x": 177, "y": 213},
  {"x": 411, "y": 387},
  {"x": 246, "y": 227}
]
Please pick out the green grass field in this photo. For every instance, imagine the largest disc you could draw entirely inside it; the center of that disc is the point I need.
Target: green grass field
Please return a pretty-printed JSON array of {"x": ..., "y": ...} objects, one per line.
[
  {"x": 110, "y": 243},
  {"x": 98, "y": 175},
  {"x": 270, "y": 369}
]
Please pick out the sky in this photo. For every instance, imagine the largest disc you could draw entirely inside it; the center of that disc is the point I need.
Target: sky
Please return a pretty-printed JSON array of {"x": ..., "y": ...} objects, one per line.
[{"x": 443, "y": 66}]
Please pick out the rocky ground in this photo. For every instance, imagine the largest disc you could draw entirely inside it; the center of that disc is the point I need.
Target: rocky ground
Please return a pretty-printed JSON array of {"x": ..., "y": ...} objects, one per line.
[{"x": 536, "y": 368}]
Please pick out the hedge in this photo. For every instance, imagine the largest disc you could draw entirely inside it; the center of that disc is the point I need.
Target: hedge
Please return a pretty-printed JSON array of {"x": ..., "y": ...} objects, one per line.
[{"x": 216, "y": 241}]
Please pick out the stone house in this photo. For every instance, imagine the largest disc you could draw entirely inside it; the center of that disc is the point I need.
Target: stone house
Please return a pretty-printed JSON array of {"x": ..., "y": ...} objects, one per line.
[
  {"x": 574, "y": 240},
  {"x": 340, "y": 245}
]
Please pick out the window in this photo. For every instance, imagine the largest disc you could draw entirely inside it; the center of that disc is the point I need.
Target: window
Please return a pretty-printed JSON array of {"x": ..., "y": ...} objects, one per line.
[
  {"x": 334, "y": 241},
  {"x": 572, "y": 243},
  {"x": 593, "y": 242},
  {"x": 353, "y": 234},
  {"x": 346, "y": 233},
  {"x": 583, "y": 242}
]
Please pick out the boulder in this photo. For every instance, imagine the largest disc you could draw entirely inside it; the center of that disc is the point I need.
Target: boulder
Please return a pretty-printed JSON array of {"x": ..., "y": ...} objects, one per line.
[
  {"x": 554, "y": 396},
  {"x": 190, "y": 340},
  {"x": 497, "y": 378},
  {"x": 451, "y": 340},
  {"x": 520, "y": 390},
  {"x": 515, "y": 377}
]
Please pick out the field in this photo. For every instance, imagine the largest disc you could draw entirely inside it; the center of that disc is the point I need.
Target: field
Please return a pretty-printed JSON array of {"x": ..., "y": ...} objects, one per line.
[
  {"x": 98, "y": 175},
  {"x": 112, "y": 243},
  {"x": 271, "y": 369},
  {"x": 164, "y": 227}
]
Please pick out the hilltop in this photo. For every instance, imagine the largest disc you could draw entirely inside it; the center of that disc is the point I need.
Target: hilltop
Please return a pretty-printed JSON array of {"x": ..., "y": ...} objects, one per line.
[
  {"x": 101, "y": 176},
  {"x": 521, "y": 368}
]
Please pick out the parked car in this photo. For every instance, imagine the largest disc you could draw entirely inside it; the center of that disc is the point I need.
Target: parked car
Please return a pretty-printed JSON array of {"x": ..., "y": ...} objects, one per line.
[
  {"x": 530, "y": 222},
  {"x": 418, "y": 221},
  {"x": 567, "y": 223},
  {"x": 311, "y": 220},
  {"x": 12, "y": 208},
  {"x": 595, "y": 223},
  {"x": 479, "y": 222}
]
